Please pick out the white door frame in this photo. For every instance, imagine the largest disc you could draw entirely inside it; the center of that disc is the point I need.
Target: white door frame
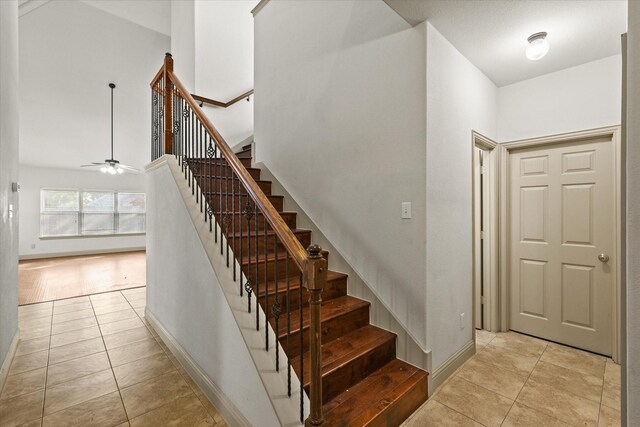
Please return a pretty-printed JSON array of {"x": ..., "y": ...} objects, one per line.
[
  {"x": 612, "y": 132},
  {"x": 491, "y": 261}
]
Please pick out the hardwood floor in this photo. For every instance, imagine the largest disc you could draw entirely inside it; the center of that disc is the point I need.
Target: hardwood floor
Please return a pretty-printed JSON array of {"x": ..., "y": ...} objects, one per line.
[{"x": 51, "y": 279}]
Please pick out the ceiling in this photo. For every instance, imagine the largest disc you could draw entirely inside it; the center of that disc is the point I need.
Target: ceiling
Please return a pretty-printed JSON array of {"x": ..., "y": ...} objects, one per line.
[
  {"x": 152, "y": 14},
  {"x": 493, "y": 34}
]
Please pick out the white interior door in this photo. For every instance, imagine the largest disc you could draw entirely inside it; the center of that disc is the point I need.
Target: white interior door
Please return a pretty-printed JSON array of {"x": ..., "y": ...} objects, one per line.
[{"x": 562, "y": 204}]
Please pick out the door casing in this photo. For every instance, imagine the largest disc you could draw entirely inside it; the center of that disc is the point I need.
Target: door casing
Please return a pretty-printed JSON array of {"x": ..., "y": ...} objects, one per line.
[{"x": 612, "y": 132}]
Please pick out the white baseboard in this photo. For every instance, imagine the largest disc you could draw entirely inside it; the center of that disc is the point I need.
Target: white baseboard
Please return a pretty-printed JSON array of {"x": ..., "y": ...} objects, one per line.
[
  {"x": 78, "y": 253},
  {"x": 230, "y": 413},
  {"x": 443, "y": 372},
  {"x": 4, "y": 369}
]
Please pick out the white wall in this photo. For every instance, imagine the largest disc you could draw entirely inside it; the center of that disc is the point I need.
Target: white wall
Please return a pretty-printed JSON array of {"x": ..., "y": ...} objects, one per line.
[
  {"x": 632, "y": 368},
  {"x": 180, "y": 276},
  {"x": 8, "y": 173},
  {"x": 577, "y": 98},
  {"x": 34, "y": 178},
  {"x": 459, "y": 99},
  {"x": 340, "y": 121},
  {"x": 224, "y": 63},
  {"x": 69, "y": 52}
]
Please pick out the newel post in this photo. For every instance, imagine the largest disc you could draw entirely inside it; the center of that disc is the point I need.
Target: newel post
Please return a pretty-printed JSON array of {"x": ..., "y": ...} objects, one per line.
[
  {"x": 316, "y": 273},
  {"x": 168, "y": 102}
]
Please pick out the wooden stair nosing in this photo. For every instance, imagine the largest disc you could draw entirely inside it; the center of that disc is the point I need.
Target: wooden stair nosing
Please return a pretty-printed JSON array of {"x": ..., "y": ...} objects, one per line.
[
  {"x": 348, "y": 406},
  {"x": 294, "y": 283}
]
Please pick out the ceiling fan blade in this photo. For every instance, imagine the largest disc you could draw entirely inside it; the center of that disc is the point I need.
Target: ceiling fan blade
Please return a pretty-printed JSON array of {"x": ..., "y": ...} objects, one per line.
[{"x": 92, "y": 165}]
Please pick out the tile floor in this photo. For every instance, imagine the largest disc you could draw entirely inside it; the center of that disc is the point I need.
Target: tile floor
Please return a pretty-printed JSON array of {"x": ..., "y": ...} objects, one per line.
[
  {"x": 517, "y": 380},
  {"x": 95, "y": 361}
]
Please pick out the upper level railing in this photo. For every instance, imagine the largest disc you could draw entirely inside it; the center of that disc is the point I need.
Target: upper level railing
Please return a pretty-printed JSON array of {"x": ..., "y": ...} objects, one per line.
[
  {"x": 248, "y": 223},
  {"x": 215, "y": 103}
]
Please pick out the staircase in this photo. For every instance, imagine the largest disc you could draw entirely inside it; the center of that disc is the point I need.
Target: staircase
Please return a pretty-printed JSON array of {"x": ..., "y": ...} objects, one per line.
[{"x": 363, "y": 383}]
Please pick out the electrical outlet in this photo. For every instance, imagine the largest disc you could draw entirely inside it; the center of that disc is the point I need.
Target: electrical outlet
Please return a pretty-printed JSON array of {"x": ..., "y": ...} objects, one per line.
[
  {"x": 33, "y": 246},
  {"x": 461, "y": 320},
  {"x": 406, "y": 210}
]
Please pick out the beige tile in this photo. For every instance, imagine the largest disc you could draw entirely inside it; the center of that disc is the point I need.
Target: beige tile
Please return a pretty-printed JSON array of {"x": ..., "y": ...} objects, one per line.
[
  {"x": 519, "y": 343},
  {"x": 30, "y": 334},
  {"x": 111, "y": 308},
  {"x": 138, "y": 350},
  {"x": 138, "y": 303},
  {"x": 142, "y": 370},
  {"x": 134, "y": 291},
  {"x": 34, "y": 423},
  {"x": 149, "y": 326},
  {"x": 574, "y": 382},
  {"x": 67, "y": 308},
  {"x": 559, "y": 404},
  {"x": 483, "y": 337},
  {"x": 121, "y": 325},
  {"x": 507, "y": 360},
  {"x": 477, "y": 403},
  {"x": 74, "y": 336},
  {"x": 125, "y": 424},
  {"x": 184, "y": 411},
  {"x": 71, "y": 393},
  {"x": 32, "y": 346},
  {"x": 102, "y": 411},
  {"x": 609, "y": 417},
  {"x": 570, "y": 358},
  {"x": 521, "y": 416},
  {"x": 73, "y": 315},
  {"x": 612, "y": 385},
  {"x": 151, "y": 394},
  {"x": 26, "y": 382},
  {"x": 505, "y": 383},
  {"x": 107, "y": 298},
  {"x": 21, "y": 409},
  {"x": 29, "y": 362},
  {"x": 435, "y": 414},
  {"x": 26, "y": 310},
  {"x": 116, "y": 316},
  {"x": 73, "y": 325},
  {"x": 126, "y": 337},
  {"x": 75, "y": 350},
  {"x": 32, "y": 324},
  {"x": 76, "y": 368},
  {"x": 67, "y": 301}
]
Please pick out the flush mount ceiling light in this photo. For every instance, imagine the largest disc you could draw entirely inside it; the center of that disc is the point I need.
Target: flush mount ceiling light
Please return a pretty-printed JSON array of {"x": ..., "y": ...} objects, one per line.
[
  {"x": 538, "y": 46},
  {"x": 110, "y": 165}
]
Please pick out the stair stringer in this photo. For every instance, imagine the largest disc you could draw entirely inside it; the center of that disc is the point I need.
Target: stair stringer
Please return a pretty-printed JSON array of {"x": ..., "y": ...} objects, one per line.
[
  {"x": 286, "y": 409},
  {"x": 407, "y": 348}
]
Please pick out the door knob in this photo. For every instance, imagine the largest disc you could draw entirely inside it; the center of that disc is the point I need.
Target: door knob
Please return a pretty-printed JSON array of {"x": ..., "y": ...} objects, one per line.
[{"x": 603, "y": 258}]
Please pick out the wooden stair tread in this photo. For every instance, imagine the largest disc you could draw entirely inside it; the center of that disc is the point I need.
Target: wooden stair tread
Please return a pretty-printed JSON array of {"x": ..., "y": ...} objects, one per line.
[
  {"x": 270, "y": 256},
  {"x": 330, "y": 309},
  {"x": 363, "y": 403},
  {"x": 339, "y": 352},
  {"x": 294, "y": 283},
  {"x": 270, "y": 233}
]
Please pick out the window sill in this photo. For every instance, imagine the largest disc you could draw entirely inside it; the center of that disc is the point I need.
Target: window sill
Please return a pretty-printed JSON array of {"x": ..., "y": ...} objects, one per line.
[{"x": 89, "y": 236}]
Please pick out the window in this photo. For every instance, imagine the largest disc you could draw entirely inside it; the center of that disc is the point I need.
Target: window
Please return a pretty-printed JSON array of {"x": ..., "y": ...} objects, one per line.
[{"x": 91, "y": 213}]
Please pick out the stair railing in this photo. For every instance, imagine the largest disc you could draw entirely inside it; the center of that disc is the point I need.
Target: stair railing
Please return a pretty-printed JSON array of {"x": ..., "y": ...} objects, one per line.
[{"x": 234, "y": 203}]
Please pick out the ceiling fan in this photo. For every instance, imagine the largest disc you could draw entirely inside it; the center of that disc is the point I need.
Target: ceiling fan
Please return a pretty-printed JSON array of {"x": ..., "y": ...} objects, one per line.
[{"x": 111, "y": 165}]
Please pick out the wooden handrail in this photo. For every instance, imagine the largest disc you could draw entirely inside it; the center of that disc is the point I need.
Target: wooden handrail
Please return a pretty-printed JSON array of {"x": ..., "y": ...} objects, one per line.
[
  {"x": 310, "y": 261},
  {"x": 279, "y": 226},
  {"x": 215, "y": 103}
]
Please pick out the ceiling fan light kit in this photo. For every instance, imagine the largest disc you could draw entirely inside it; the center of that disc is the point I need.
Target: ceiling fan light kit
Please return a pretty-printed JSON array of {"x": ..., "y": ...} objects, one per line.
[
  {"x": 111, "y": 166},
  {"x": 538, "y": 46}
]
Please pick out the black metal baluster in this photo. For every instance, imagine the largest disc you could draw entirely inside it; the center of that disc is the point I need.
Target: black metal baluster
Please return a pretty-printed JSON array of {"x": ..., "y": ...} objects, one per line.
[
  {"x": 232, "y": 221},
  {"x": 220, "y": 206},
  {"x": 276, "y": 309},
  {"x": 257, "y": 280},
  {"x": 288, "y": 325},
  {"x": 247, "y": 286},
  {"x": 266, "y": 287},
  {"x": 301, "y": 357},
  {"x": 211, "y": 189}
]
